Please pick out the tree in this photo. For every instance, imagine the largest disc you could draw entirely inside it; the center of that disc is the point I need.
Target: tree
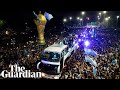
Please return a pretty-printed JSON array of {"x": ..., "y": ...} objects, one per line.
[{"x": 2, "y": 23}]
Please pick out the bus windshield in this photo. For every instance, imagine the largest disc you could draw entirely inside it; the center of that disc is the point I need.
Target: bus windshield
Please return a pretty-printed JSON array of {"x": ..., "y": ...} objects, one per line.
[{"x": 51, "y": 56}]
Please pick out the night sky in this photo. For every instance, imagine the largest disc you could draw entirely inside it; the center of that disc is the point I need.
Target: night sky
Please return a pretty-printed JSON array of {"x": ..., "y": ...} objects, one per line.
[{"x": 18, "y": 11}]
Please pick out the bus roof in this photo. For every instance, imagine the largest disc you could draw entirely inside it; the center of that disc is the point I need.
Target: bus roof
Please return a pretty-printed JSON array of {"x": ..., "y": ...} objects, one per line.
[{"x": 55, "y": 48}]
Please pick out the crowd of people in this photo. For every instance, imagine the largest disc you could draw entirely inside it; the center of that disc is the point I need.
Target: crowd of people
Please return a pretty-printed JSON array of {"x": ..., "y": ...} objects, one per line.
[
  {"x": 108, "y": 59},
  {"x": 105, "y": 44},
  {"x": 76, "y": 67},
  {"x": 23, "y": 53}
]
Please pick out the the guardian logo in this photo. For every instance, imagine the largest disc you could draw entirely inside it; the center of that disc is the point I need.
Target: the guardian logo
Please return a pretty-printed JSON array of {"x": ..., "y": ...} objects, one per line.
[{"x": 19, "y": 72}]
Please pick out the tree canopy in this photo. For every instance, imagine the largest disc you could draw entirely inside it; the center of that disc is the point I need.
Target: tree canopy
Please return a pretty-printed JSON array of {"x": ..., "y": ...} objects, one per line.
[{"x": 2, "y": 23}]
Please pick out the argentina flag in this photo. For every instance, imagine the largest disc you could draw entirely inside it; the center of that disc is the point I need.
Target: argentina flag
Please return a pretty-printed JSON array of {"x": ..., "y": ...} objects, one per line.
[
  {"x": 90, "y": 51},
  {"x": 90, "y": 60},
  {"x": 48, "y": 16}
]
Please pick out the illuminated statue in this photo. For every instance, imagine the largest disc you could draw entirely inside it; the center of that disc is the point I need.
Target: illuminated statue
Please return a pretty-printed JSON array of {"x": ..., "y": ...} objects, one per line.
[{"x": 40, "y": 22}]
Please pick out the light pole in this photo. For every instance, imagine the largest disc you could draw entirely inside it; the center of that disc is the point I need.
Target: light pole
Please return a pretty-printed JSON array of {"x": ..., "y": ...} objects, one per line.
[
  {"x": 117, "y": 20},
  {"x": 104, "y": 12},
  {"x": 83, "y": 13},
  {"x": 64, "y": 21},
  {"x": 78, "y": 18},
  {"x": 109, "y": 21},
  {"x": 98, "y": 17},
  {"x": 70, "y": 20},
  {"x": 81, "y": 20},
  {"x": 100, "y": 14},
  {"x": 106, "y": 19},
  {"x": 88, "y": 19}
]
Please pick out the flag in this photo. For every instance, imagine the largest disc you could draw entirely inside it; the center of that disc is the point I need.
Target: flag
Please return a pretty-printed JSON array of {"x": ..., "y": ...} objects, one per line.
[
  {"x": 94, "y": 53},
  {"x": 90, "y": 51},
  {"x": 48, "y": 16},
  {"x": 90, "y": 60},
  {"x": 94, "y": 71}
]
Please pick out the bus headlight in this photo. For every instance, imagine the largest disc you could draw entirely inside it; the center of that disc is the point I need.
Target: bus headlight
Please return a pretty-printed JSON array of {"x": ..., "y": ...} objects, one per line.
[
  {"x": 43, "y": 74},
  {"x": 56, "y": 77}
]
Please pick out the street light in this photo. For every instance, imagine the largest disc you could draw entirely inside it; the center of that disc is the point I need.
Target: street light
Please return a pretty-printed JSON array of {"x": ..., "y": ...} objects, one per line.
[
  {"x": 81, "y": 19},
  {"x": 88, "y": 18},
  {"x": 100, "y": 14},
  {"x": 83, "y": 13},
  {"x": 109, "y": 17},
  {"x": 98, "y": 17},
  {"x": 118, "y": 17},
  {"x": 70, "y": 18},
  {"x": 64, "y": 20},
  {"x": 78, "y": 18},
  {"x": 106, "y": 19},
  {"x": 104, "y": 12}
]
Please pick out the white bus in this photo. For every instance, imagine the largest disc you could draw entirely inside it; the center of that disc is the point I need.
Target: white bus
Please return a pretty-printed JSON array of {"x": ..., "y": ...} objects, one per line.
[{"x": 53, "y": 59}]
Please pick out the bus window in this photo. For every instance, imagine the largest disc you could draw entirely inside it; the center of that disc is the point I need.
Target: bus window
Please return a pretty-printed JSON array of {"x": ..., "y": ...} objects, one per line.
[{"x": 51, "y": 56}]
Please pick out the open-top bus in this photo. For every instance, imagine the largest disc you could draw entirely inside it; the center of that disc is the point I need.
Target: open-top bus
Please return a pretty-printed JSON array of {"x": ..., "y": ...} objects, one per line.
[{"x": 53, "y": 59}]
